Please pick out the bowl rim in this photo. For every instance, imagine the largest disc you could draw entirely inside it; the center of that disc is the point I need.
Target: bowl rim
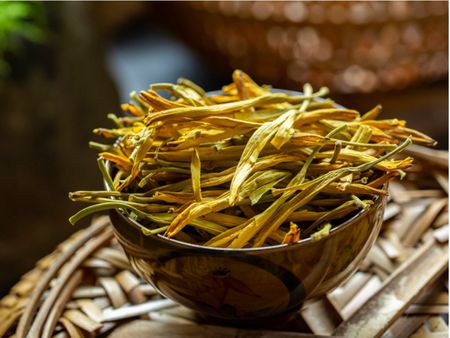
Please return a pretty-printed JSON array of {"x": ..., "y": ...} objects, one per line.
[
  {"x": 303, "y": 242},
  {"x": 185, "y": 245}
]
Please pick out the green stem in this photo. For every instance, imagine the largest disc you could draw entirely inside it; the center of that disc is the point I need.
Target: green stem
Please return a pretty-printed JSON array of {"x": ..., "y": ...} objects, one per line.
[
  {"x": 106, "y": 206},
  {"x": 366, "y": 145},
  {"x": 101, "y": 147},
  {"x": 149, "y": 232},
  {"x": 105, "y": 174},
  {"x": 368, "y": 165}
]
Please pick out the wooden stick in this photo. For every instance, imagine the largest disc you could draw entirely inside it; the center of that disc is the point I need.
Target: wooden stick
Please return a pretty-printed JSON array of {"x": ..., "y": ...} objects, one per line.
[
  {"x": 433, "y": 295},
  {"x": 437, "y": 324},
  {"x": 392, "y": 210},
  {"x": 441, "y": 220},
  {"x": 136, "y": 310},
  {"x": 380, "y": 259},
  {"x": 98, "y": 291},
  {"x": 90, "y": 309},
  {"x": 404, "y": 326},
  {"x": 426, "y": 193},
  {"x": 442, "y": 179},
  {"x": 389, "y": 249},
  {"x": 61, "y": 334},
  {"x": 9, "y": 301},
  {"x": 409, "y": 215},
  {"x": 9, "y": 320},
  {"x": 423, "y": 223},
  {"x": 441, "y": 234},
  {"x": 23, "y": 287},
  {"x": 113, "y": 290},
  {"x": 394, "y": 240},
  {"x": 367, "y": 291},
  {"x": 25, "y": 320},
  {"x": 130, "y": 283},
  {"x": 436, "y": 298},
  {"x": 398, "y": 192},
  {"x": 430, "y": 335},
  {"x": 431, "y": 156},
  {"x": 343, "y": 294},
  {"x": 375, "y": 317},
  {"x": 106, "y": 327},
  {"x": 74, "y": 332},
  {"x": 102, "y": 302},
  {"x": 89, "y": 292},
  {"x": 95, "y": 263},
  {"x": 113, "y": 256},
  {"x": 69, "y": 269},
  {"x": 81, "y": 320},
  {"x": 380, "y": 273},
  {"x": 147, "y": 289},
  {"x": 321, "y": 317},
  {"x": 427, "y": 309},
  {"x": 127, "y": 280},
  {"x": 58, "y": 307}
]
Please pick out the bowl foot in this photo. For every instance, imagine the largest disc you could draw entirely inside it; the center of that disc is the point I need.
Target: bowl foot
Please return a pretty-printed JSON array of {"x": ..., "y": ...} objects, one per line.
[{"x": 289, "y": 321}]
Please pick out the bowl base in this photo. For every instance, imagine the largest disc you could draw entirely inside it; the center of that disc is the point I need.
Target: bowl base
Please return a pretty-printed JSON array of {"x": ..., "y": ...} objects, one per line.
[{"x": 290, "y": 321}]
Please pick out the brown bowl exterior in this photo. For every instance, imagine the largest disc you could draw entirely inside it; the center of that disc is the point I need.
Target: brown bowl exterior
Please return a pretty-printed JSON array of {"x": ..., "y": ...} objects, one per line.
[{"x": 249, "y": 284}]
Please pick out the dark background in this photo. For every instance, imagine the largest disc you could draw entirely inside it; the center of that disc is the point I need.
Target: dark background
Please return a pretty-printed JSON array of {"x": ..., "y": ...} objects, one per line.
[{"x": 59, "y": 89}]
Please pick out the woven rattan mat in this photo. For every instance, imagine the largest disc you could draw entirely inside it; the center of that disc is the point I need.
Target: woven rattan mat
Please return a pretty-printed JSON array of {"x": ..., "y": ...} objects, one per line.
[{"x": 86, "y": 287}]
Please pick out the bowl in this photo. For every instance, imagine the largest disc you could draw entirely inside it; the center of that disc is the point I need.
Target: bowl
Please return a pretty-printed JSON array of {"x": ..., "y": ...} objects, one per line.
[
  {"x": 250, "y": 284},
  {"x": 238, "y": 285}
]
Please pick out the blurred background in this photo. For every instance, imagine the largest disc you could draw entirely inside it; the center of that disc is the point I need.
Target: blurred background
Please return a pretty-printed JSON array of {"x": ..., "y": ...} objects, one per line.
[{"x": 65, "y": 65}]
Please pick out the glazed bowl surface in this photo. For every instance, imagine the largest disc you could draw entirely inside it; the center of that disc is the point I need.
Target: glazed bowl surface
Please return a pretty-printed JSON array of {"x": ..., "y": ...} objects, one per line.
[{"x": 250, "y": 284}]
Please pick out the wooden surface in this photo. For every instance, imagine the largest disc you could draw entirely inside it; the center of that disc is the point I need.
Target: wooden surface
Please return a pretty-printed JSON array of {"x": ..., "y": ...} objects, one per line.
[{"x": 87, "y": 288}]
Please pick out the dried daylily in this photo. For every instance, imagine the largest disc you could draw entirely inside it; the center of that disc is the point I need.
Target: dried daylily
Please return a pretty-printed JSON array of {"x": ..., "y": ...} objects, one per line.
[
  {"x": 245, "y": 168},
  {"x": 293, "y": 235}
]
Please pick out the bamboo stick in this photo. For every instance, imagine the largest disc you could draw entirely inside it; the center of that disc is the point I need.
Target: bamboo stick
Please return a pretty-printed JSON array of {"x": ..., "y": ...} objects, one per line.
[
  {"x": 431, "y": 156},
  {"x": 73, "y": 264},
  {"x": 58, "y": 307},
  {"x": 404, "y": 326},
  {"x": 321, "y": 317},
  {"x": 366, "y": 292},
  {"x": 427, "y": 309},
  {"x": 424, "y": 222},
  {"x": 441, "y": 234},
  {"x": 25, "y": 320},
  {"x": 136, "y": 310},
  {"x": 343, "y": 294},
  {"x": 375, "y": 317}
]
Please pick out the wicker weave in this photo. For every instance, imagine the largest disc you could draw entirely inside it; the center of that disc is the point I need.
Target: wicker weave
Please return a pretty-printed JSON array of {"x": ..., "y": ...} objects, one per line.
[
  {"x": 349, "y": 46},
  {"x": 87, "y": 288}
]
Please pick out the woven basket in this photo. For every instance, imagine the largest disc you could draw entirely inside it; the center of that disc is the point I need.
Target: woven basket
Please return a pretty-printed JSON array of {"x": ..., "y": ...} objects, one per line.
[
  {"x": 348, "y": 46},
  {"x": 86, "y": 287}
]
